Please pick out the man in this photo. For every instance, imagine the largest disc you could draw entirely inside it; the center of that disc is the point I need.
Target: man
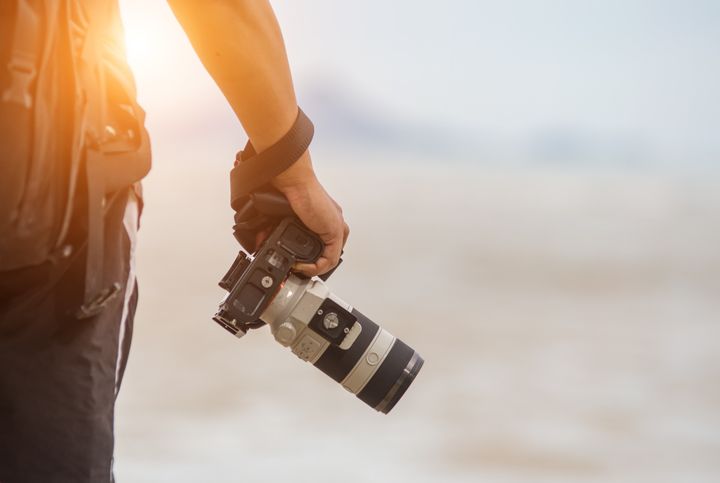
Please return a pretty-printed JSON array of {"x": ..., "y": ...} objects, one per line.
[{"x": 67, "y": 288}]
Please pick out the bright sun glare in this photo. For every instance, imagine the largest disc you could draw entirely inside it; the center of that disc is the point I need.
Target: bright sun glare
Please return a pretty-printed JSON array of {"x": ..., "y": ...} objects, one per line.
[
  {"x": 151, "y": 34},
  {"x": 142, "y": 41}
]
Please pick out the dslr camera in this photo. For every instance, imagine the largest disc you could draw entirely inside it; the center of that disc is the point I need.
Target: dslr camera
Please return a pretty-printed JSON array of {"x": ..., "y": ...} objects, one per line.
[{"x": 317, "y": 325}]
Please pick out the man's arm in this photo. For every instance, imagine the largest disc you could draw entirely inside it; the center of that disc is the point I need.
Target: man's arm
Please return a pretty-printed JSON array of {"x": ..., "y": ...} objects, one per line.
[{"x": 241, "y": 46}]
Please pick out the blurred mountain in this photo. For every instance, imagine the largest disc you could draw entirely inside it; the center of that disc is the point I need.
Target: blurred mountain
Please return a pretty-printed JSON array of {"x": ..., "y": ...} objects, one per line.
[
  {"x": 571, "y": 146},
  {"x": 347, "y": 122},
  {"x": 343, "y": 118}
]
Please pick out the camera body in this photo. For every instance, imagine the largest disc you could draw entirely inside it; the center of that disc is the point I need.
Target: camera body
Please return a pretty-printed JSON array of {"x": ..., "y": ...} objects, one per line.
[{"x": 317, "y": 326}]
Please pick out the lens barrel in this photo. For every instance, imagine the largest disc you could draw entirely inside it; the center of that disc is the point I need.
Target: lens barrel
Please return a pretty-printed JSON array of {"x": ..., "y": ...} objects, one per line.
[{"x": 378, "y": 368}]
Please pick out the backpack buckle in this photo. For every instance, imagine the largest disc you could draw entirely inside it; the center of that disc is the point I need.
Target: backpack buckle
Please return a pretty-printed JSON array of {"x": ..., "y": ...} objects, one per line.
[{"x": 99, "y": 302}]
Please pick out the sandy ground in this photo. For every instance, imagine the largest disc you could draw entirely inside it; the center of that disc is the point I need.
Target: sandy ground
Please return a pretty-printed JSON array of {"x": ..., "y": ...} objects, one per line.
[{"x": 570, "y": 325}]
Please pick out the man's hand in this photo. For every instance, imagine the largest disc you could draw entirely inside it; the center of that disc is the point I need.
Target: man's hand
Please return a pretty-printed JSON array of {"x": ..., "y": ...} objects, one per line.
[
  {"x": 241, "y": 46},
  {"x": 317, "y": 210}
]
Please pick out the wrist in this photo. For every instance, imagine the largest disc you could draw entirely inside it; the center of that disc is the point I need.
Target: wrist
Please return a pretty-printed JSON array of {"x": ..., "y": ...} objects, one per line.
[{"x": 299, "y": 175}]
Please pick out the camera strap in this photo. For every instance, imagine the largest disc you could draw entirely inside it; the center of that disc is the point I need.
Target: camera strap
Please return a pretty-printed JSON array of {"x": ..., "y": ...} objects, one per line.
[{"x": 253, "y": 170}]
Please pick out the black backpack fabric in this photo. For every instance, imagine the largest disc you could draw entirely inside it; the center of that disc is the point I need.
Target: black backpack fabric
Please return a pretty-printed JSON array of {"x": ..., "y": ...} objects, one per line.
[{"x": 71, "y": 131}]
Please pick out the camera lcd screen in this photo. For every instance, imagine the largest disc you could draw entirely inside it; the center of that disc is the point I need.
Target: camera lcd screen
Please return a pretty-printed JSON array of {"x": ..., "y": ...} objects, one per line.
[{"x": 249, "y": 299}]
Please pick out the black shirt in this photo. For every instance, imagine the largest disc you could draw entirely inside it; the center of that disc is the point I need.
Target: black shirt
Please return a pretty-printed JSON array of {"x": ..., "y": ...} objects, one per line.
[{"x": 7, "y": 22}]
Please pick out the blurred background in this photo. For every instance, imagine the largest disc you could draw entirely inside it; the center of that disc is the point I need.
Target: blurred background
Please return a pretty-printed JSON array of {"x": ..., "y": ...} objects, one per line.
[{"x": 533, "y": 190}]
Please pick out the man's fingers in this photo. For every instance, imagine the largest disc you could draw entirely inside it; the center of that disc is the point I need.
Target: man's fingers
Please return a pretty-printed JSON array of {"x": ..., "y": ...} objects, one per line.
[
  {"x": 339, "y": 208},
  {"x": 329, "y": 259},
  {"x": 322, "y": 215},
  {"x": 312, "y": 269},
  {"x": 346, "y": 233}
]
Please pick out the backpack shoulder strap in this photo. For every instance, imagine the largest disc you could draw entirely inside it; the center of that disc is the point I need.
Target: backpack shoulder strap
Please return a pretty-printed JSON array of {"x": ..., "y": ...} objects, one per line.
[
  {"x": 98, "y": 292},
  {"x": 24, "y": 56}
]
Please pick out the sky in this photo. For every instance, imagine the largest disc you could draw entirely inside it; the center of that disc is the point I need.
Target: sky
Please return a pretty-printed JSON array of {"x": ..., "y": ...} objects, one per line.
[{"x": 555, "y": 76}]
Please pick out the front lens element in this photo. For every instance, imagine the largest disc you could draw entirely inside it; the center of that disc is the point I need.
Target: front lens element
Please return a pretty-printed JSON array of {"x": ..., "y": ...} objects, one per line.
[{"x": 402, "y": 384}]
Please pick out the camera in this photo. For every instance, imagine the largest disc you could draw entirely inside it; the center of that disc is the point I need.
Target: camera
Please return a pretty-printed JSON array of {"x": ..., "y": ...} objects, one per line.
[{"x": 317, "y": 325}]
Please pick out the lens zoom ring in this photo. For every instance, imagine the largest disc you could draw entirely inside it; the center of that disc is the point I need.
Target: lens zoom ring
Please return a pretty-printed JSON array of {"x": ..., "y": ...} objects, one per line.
[{"x": 390, "y": 371}]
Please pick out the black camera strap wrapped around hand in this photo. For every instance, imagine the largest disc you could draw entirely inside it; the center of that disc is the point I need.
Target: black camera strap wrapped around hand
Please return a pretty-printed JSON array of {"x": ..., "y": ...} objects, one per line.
[
  {"x": 257, "y": 204},
  {"x": 253, "y": 170}
]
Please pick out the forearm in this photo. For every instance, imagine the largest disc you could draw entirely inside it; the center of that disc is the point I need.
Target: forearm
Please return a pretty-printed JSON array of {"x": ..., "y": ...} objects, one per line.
[{"x": 241, "y": 46}]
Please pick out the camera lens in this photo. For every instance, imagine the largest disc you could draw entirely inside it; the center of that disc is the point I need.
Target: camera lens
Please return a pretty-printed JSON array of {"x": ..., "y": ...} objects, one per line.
[
  {"x": 393, "y": 378},
  {"x": 378, "y": 368}
]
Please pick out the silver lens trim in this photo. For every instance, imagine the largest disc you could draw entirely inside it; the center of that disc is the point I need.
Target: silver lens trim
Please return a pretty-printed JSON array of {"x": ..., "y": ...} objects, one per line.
[
  {"x": 383, "y": 406},
  {"x": 369, "y": 362}
]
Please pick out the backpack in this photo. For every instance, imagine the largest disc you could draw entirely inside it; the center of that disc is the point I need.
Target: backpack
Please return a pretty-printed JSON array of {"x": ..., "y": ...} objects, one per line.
[{"x": 71, "y": 131}]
